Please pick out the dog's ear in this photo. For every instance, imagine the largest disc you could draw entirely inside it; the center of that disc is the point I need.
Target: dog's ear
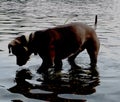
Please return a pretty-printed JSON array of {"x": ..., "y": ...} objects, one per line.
[
  {"x": 12, "y": 44},
  {"x": 23, "y": 40}
]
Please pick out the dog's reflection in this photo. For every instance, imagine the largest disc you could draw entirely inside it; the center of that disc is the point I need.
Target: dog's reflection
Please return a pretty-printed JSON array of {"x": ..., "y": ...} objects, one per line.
[
  {"x": 76, "y": 81},
  {"x": 22, "y": 85},
  {"x": 84, "y": 81}
]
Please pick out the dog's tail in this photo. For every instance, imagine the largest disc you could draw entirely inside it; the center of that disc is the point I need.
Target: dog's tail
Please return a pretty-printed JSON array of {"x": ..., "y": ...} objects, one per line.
[{"x": 95, "y": 25}]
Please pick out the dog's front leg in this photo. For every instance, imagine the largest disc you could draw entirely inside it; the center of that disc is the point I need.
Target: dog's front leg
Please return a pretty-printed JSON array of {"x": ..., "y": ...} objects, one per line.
[
  {"x": 46, "y": 64},
  {"x": 58, "y": 64}
]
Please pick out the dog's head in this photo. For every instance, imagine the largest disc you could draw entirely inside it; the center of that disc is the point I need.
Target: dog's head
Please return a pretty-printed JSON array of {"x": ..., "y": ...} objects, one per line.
[{"x": 19, "y": 48}]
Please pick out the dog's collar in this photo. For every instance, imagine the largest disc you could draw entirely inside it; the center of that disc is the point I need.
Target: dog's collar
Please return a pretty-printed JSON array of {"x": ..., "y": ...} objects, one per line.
[
  {"x": 27, "y": 38},
  {"x": 30, "y": 41},
  {"x": 31, "y": 37}
]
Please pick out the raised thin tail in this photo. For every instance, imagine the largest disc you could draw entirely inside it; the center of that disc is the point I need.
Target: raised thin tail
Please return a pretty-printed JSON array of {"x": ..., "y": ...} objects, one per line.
[{"x": 95, "y": 25}]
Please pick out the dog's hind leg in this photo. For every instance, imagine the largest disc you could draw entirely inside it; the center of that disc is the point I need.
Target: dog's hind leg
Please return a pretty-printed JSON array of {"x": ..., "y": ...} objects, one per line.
[
  {"x": 71, "y": 60},
  {"x": 93, "y": 50}
]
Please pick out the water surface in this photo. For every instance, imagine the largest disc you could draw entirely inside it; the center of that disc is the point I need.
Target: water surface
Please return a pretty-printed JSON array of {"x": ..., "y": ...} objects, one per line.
[{"x": 24, "y": 16}]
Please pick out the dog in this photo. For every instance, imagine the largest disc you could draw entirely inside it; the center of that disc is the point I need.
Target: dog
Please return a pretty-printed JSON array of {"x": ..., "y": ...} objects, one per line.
[{"x": 57, "y": 43}]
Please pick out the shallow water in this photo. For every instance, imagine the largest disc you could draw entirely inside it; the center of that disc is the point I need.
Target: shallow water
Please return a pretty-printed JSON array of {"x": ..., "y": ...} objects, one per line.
[{"x": 24, "y": 16}]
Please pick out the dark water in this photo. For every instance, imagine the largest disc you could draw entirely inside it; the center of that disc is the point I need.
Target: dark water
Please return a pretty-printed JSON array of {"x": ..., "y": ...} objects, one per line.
[{"x": 25, "y": 16}]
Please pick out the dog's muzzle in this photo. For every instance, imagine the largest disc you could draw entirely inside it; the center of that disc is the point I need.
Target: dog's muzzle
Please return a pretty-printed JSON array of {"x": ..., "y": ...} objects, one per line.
[{"x": 22, "y": 60}]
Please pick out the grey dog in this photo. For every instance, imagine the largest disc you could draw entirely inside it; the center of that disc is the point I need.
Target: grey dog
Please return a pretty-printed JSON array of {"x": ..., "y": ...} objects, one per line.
[{"x": 55, "y": 44}]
